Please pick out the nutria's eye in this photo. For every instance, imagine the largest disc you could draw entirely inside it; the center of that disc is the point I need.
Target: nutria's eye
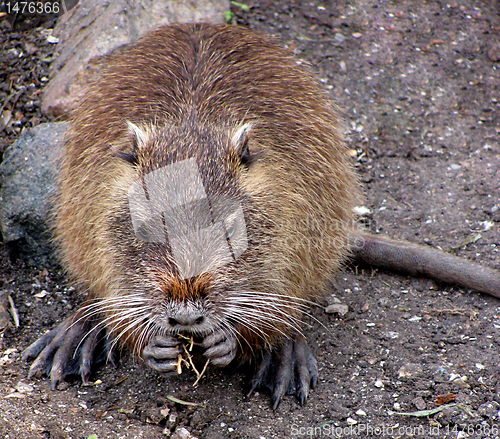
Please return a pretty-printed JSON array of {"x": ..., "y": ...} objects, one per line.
[
  {"x": 245, "y": 156},
  {"x": 128, "y": 157}
]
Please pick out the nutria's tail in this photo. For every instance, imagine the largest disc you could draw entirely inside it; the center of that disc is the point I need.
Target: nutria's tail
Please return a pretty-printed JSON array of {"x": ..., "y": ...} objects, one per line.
[{"x": 418, "y": 260}]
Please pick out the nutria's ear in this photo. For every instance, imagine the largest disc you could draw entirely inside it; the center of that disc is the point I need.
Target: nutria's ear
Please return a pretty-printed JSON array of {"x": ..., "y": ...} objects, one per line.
[
  {"x": 239, "y": 142},
  {"x": 138, "y": 139},
  {"x": 138, "y": 135}
]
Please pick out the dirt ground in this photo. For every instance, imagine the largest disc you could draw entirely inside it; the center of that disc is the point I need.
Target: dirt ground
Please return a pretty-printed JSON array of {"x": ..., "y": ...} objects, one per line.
[{"x": 419, "y": 87}]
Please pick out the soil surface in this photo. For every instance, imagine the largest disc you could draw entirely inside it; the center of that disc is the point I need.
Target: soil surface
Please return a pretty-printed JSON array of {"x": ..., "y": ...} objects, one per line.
[{"x": 419, "y": 88}]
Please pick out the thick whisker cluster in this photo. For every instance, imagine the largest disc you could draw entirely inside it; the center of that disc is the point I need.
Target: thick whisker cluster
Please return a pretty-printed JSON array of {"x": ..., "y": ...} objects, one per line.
[
  {"x": 293, "y": 303},
  {"x": 134, "y": 319},
  {"x": 126, "y": 317},
  {"x": 264, "y": 313},
  {"x": 226, "y": 325}
]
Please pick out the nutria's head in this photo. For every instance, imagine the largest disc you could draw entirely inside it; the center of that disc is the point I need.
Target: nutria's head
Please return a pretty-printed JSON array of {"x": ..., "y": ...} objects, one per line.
[{"x": 190, "y": 243}]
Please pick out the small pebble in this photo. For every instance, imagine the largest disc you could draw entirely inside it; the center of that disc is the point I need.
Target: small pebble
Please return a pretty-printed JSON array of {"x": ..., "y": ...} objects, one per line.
[
  {"x": 419, "y": 403},
  {"x": 339, "y": 38},
  {"x": 494, "y": 53},
  {"x": 393, "y": 335},
  {"x": 24, "y": 388},
  {"x": 337, "y": 308},
  {"x": 182, "y": 433},
  {"x": 409, "y": 370},
  {"x": 487, "y": 225},
  {"x": 52, "y": 40},
  {"x": 362, "y": 210}
]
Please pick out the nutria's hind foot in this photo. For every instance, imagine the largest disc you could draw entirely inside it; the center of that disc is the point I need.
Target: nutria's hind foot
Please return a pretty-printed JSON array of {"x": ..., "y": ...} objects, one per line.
[
  {"x": 72, "y": 348},
  {"x": 290, "y": 369}
]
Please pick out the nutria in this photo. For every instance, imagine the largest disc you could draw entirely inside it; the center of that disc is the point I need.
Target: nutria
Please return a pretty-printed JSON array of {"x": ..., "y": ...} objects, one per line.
[{"x": 206, "y": 191}]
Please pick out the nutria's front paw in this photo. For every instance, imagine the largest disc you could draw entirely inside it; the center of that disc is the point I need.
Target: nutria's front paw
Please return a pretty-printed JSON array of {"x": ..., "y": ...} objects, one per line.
[
  {"x": 289, "y": 368},
  {"x": 72, "y": 348},
  {"x": 220, "y": 348},
  {"x": 162, "y": 353}
]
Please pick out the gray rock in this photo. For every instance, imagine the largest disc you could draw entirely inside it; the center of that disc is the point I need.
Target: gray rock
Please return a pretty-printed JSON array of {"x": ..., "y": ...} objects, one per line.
[{"x": 28, "y": 180}]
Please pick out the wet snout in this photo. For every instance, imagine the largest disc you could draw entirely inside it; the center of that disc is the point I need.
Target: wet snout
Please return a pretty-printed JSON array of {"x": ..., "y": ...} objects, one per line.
[
  {"x": 186, "y": 317},
  {"x": 186, "y": 303}
]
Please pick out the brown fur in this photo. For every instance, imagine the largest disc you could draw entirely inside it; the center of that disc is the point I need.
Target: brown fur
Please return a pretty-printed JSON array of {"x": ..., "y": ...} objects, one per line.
[{"x": 297, "y": 197}]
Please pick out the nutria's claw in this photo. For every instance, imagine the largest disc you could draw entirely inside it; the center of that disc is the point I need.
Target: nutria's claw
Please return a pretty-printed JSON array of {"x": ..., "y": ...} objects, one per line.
[
  {"x": 72, "y": 348},
  {"x": 290, "y": 368},
  {"x": 220, "y": 348},
  {"x": 161, "y": 354}
]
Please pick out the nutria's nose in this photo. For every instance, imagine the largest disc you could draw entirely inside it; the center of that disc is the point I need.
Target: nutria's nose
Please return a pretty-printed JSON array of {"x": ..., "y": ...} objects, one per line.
[{"x": 186, "y": 318}]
